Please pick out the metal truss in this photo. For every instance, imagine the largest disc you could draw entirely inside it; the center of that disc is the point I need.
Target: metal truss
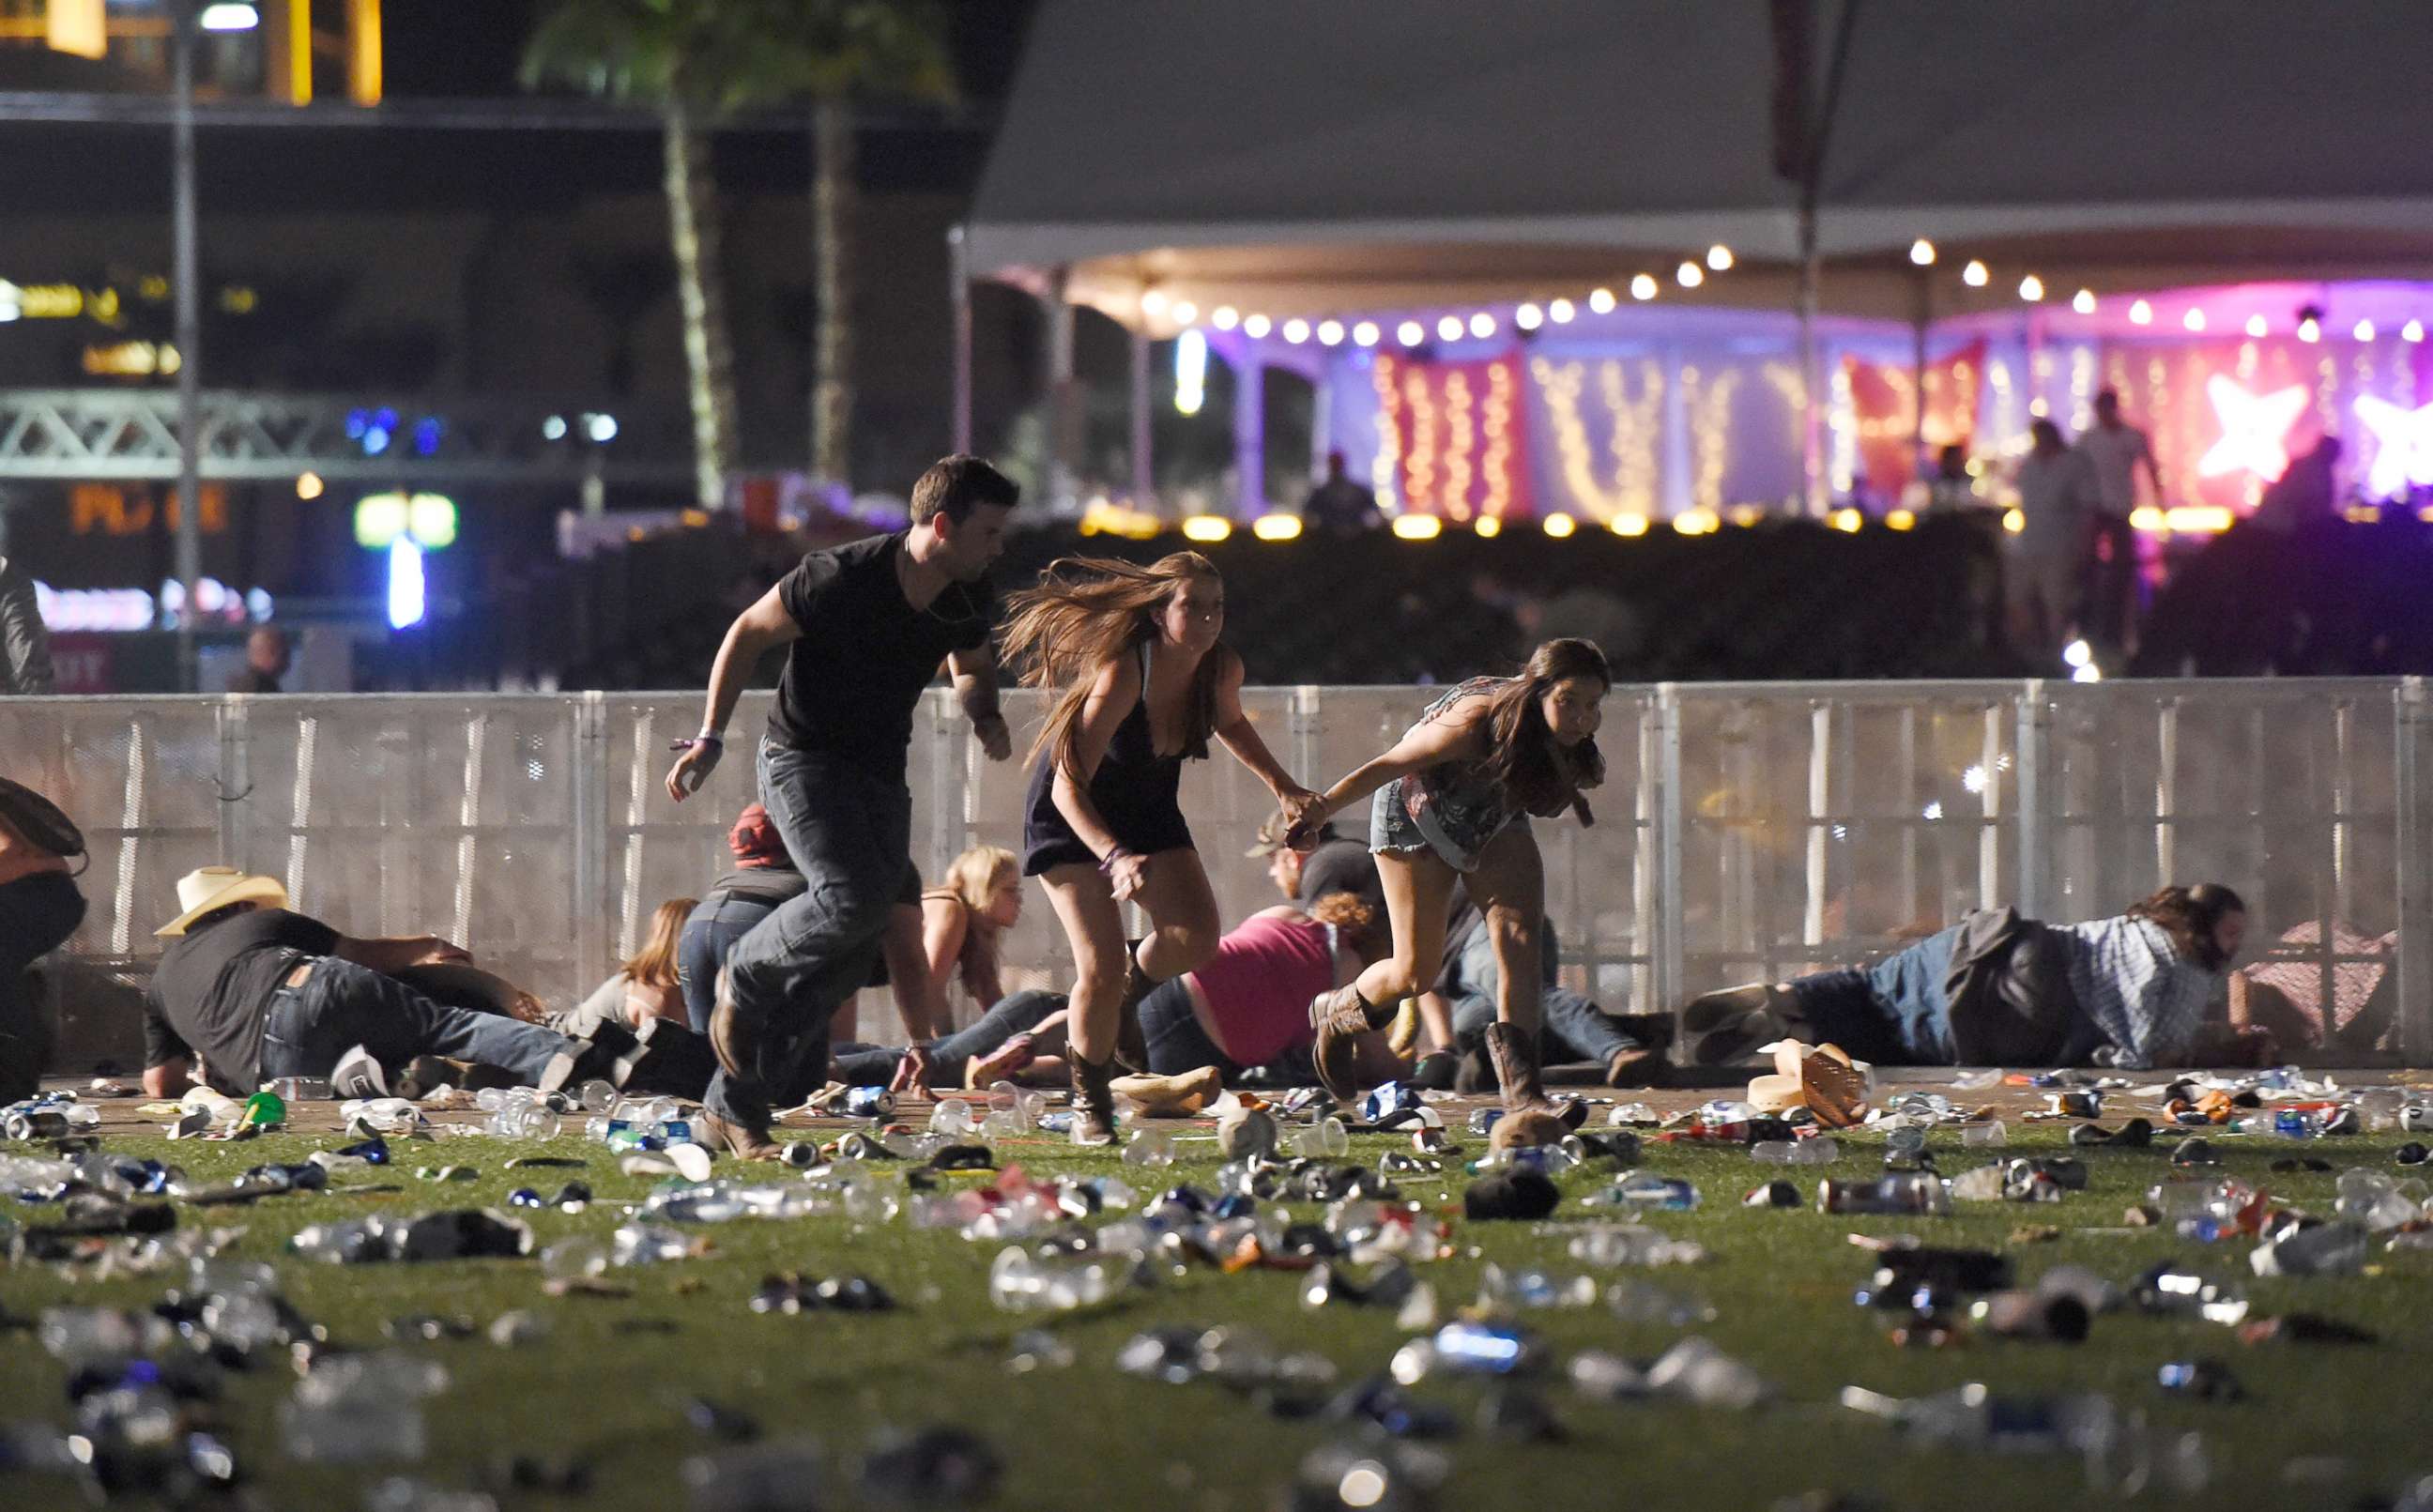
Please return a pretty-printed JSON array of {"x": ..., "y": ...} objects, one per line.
[{"x": 95, "y": 435}]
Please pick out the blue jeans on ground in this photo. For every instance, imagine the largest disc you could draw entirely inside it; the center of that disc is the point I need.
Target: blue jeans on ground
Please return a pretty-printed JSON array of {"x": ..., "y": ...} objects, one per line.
[
  {"x": 1571, "y": 1027},
  {"x": 1176, "y": 1041},
  {"x": 709, "y": 936},
  {"x": 850, "y": 833},
  {"x": 343, "y": 1005},
  {"x": 1893, "y": 1014},
  {"x": 872, "y": 1066}
]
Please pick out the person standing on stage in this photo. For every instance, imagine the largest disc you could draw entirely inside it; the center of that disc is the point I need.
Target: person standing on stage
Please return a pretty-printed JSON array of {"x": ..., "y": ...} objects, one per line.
[
  {"x": 1142, "y": 680},
  {"x": 866, "y": 627},
  {"x": 2115, "y": 448}
]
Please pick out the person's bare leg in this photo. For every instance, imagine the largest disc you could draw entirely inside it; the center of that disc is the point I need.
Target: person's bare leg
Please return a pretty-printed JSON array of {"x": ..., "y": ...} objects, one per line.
[
  {"x": 1509, "y": 887},
  {"x": 1093, "y": 925},
  {"x": 1182, "y": 909},
  {"x": 907, "y": 975},
  {"x": 1418, "y": 886}
]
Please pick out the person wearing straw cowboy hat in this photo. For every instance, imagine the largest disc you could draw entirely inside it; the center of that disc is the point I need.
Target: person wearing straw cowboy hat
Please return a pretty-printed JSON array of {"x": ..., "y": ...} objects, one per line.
[{"x": 261, "y": 992}]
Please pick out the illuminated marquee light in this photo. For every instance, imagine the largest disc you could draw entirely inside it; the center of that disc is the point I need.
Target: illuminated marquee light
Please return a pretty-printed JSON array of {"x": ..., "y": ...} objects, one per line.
[
  {"x": 1461, "y": 427},
  {"x": 1502, "y": 382},
  {"x": 1190, "y": 372},
  {"x": 1710, "y": 406},
  {"x": 1559, "y": 386},
  {"x": 1206, "y": 528},
  {"x": 2402, "y": 456},
  {"x": 1385, "y": 464},
  {"x": 1419, "y": 467},
  {"x": 2253, "y": 427},
  {"x": 408, "y": 598}
]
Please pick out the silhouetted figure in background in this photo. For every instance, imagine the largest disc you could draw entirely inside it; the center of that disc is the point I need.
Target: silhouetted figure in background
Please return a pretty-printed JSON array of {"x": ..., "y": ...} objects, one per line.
[{"x": 1341, "y": 507}]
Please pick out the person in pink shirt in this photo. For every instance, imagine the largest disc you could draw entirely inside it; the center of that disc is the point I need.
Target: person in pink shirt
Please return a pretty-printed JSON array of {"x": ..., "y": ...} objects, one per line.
[{"x": 1248, "y": 1004}]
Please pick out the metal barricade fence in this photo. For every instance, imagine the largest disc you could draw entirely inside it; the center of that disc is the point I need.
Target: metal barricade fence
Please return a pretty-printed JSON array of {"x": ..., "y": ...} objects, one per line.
[{"x": 1744, "y": 831}]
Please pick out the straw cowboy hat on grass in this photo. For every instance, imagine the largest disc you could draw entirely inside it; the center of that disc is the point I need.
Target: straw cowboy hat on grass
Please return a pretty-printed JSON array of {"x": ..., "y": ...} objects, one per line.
[{"x": 207, "y": 888}]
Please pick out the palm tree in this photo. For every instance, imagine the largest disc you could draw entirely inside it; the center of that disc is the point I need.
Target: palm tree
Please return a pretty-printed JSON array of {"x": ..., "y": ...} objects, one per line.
[
  {"x": 850, "y": 52},
  {"x": 695, "y": 60}
]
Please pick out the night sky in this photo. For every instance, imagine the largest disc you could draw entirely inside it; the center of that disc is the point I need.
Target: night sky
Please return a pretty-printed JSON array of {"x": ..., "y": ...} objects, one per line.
[{"x": 470, "y": 55}]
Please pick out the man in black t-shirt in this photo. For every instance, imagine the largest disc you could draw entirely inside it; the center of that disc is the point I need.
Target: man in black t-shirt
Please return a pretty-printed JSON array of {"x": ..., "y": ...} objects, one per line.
[
  {"x": 866, "y": 627},
  {"x": 259, "y": 993}
]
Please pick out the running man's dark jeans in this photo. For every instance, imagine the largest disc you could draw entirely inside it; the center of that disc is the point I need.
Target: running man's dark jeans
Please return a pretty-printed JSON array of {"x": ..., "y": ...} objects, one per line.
[{"x": 850, "y": 834}]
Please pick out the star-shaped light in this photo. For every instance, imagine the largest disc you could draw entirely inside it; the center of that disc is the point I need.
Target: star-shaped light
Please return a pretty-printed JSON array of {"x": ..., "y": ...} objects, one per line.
[
  {"x": 2252, "y": 428},
  {"x": 2403, "y": 456}
]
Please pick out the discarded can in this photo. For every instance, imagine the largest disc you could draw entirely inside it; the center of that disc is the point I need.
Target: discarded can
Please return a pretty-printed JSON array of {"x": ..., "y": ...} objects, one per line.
[
  {"x": 1483, "y": 1121},
  {"x": 2086, "y": 1104},
  {"x": 1920, "y": 1192},
  {"x": 37, "y": 1123},
  {"x": 869, "y": 1102}
]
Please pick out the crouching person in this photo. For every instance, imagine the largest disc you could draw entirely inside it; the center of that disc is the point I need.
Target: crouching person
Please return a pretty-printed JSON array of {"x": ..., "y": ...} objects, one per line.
[
  {"x": 258, "y": 992},
  {"x": 2130, "y": 990}
]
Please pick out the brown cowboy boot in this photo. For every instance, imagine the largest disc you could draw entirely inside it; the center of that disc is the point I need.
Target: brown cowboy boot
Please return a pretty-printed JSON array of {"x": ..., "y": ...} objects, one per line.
[
  {"x": 1514, "y": 1050},
  {"x": 1340, "y": 1017},
  {"x": 1093, "y": 1100},
  {"x": 1131, "y": 1046}
]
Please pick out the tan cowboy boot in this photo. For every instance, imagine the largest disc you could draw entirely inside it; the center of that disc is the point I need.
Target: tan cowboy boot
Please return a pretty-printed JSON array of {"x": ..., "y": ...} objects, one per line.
[
  {"x": 1094, "y": 1101},
  {"x": 1340, "y": 1017}
]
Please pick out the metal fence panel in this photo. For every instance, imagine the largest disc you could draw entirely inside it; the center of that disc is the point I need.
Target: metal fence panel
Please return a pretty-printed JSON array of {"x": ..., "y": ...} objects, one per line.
[
  {"x": 1822, "y": 825},
  {"x": 1743, "y": 830}
]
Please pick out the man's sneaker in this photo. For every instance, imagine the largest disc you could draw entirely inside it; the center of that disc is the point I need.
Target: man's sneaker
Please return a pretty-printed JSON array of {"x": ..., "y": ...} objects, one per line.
[
  {"x": 741, "y": 1140},
  {"x": 1726, "y": 1027},
  {"x": 357, "y": 1074}
]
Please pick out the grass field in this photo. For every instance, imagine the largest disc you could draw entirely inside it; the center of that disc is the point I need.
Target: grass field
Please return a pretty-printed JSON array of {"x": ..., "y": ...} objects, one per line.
[{"x": 610, "y": 1381}]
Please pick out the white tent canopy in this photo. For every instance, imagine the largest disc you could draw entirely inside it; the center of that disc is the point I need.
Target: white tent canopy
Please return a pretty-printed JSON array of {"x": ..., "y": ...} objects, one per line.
[{"x": 1333, "y": 154}]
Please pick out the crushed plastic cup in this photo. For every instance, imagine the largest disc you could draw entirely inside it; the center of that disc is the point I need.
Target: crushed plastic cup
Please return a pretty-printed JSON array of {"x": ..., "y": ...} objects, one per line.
[
  {"x": 1147, "y": 1146},
  {"x": 644, "y": 1244},
  {"x": 1327, "y": 1139},
  {"x": 575, "y": 1259},
  {"x": 1978, "y": 1080},
  {"x": 2378, "y": 1201},
  {"x": 1613, "y": 1245},
  {"x": 952, "y": 1117},
  {"x": 1639, "y": 1302},
  {"x": 1699, "y": 1371},
  {"x": 1989, "y": 1134},
  {"x": 525, "y": 1121},
  {"x": 1820, "y": 1150},
  {"x": 1528, "y": 1288}
]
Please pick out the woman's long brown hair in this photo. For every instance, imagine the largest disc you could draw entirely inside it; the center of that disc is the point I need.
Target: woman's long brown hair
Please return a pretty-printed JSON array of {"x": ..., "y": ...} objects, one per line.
[
  {"x": 654, "y": 965},
  {"x": 1522, "y": 758},
  {"x": 1088, "y": 611},
  {"x": 2189, "y": 916}
]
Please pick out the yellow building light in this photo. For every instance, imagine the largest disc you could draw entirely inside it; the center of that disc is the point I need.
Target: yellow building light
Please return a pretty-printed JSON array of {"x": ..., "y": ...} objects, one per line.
[
  {"x": 1487, "y": 525},
  {"x": 1846, "y": 519},
  {"x": 1698, "y": 522},
  {"x": 1417, "y": 527},
  {"x": 1559, "y": 526},
  {"x": 1628, "y": 524},
  {"x": 1276, "y": 527},
  {"x": 1901, "y": 519},
  {"x": 1207, "y": 528}
]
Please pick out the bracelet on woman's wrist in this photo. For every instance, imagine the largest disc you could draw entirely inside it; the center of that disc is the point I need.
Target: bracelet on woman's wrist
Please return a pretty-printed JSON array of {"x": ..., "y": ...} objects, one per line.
[{"x": 1107, "y": 862}]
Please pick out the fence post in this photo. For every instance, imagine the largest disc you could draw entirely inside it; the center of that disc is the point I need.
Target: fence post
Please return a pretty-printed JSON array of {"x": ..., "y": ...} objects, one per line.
[
  {"x": 951, "y": 749},
  {"x": 2037, "y": 837},
  {"x": 2415, "y": 819},
  {"x": 588, "y": 771},
  {"x": 1665, "y": 835},
  {"x": 236, "y": 780}
]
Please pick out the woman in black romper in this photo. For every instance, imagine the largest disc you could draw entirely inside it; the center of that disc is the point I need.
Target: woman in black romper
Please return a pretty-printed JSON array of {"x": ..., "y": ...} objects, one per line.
[{"x": 1142, "y": 680}]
